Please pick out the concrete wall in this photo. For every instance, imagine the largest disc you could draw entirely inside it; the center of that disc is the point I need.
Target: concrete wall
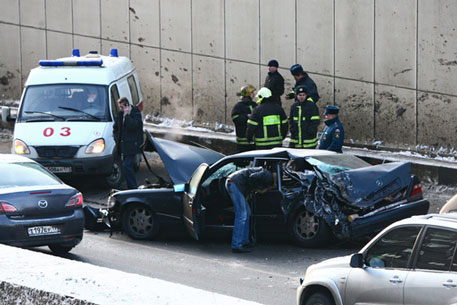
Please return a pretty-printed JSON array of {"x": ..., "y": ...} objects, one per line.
[{"x": 390, "y": 64}]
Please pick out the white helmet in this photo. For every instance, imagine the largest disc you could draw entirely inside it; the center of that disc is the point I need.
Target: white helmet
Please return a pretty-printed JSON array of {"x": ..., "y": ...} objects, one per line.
[{"x": 263, "y": 93}]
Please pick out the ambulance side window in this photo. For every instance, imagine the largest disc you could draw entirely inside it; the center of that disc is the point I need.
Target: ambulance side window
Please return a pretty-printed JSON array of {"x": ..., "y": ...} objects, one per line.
[
  {"x": 133, "y": 90},
  {"x": 114, "y": 98}
]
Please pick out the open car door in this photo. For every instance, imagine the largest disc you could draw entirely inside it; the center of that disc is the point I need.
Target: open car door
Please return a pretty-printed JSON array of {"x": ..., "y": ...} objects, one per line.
[{"x": 191, "y": 204}]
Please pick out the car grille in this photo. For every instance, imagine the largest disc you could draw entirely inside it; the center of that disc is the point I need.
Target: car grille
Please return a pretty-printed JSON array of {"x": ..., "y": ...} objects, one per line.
[{"x": 56, "y": 151}]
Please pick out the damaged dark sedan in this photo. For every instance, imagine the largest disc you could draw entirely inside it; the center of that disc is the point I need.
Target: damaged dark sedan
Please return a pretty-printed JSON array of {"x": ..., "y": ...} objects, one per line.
[{"x": 336, "y": 195}]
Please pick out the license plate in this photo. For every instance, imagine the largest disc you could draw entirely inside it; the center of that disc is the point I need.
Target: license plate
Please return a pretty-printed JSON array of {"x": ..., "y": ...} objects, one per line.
[
  {"x": 43, "y": 230},
  {"x": 59, "y": 169}
]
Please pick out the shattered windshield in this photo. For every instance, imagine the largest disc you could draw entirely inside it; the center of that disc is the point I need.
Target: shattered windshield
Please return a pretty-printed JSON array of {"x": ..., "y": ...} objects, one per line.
[
  {"x": 332, "y": 164},
  {"x": 65, "y": 102},
  {"x": 226, "y": 170}
]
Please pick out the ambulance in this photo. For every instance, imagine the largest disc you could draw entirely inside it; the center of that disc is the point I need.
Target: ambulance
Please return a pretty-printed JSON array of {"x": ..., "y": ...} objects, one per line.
[{"x": 67, "y": 111}]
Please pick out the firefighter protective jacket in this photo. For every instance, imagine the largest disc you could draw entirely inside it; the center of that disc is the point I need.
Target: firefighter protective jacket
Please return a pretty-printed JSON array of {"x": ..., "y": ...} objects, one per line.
[
  {"x": 304, "y": 121},
  {"x": 268, "y": 125},
  {"x": 240, "y": 114},
  {"x": 333, "y": 136}
]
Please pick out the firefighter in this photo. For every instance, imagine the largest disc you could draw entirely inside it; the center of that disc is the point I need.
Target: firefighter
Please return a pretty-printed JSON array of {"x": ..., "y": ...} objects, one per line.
[
  {"x": 240, "y": 114},
  {"x": 274, "y": 81},
  {"x": 268, "y": 124},
  {"x": 333, "y": 136},
  {"x": 302, "y": 79},
  {"x": 304, "y": 121}
]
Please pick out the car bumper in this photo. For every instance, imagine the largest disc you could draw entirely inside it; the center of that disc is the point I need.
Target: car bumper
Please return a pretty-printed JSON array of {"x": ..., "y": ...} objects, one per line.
[
  {"x": 15, "y": 231},
  {"x": 81, "y": 166},
  {"x": 377, "y": 222}
]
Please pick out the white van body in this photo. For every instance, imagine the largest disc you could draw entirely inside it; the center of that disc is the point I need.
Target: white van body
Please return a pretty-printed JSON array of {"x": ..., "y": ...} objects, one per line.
[{"x": 67, "y": 111}]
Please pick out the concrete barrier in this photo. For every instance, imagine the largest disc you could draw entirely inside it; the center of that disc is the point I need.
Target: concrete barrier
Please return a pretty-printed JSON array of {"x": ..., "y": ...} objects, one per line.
[{"x": 31, "y": 277}]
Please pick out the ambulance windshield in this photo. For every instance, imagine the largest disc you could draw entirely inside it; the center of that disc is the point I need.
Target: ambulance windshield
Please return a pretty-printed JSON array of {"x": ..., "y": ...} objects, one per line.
[{"x": 65, "y": 102}]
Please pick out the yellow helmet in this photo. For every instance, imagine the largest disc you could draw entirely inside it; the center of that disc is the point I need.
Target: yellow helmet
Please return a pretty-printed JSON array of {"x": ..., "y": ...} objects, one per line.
[{"x": 247, "y": 90}]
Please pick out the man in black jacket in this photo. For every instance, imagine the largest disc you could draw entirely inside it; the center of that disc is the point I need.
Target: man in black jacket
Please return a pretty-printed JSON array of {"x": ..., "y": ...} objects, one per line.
[
  {"x": 304, "y": 121},
  {"x": 302, "y": 79},
  {"x": 268, "y": 124},
  {"x": 240, "y": 114},
  {"x": 274, "y": 81},
  {"x": 128, "y": 134}
]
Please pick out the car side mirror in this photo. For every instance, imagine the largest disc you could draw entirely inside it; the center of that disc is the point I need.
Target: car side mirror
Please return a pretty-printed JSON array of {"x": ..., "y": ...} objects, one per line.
[
  {"x": 6, "y": 115},
  {"x": 357, "y": 260}
]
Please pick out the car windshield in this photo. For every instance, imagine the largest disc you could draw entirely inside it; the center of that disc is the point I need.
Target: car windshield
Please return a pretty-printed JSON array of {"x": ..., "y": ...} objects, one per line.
[
  {"x": 65, "y": 102},
  {"x": 25, "y": 174},
  {"x": 333, "y": 164},
  {"x": 226, "y": 170}
]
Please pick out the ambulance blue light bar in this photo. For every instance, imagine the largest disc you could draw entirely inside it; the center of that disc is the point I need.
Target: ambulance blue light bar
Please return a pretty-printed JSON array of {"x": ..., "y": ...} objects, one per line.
[{"x": 58, "y": 63}]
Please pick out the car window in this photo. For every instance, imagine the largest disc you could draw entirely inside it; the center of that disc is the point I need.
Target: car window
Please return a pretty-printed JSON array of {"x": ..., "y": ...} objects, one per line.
[
  {"x": 25, "y": 174},
  {"x": 114, "y": 99},
  {"x": 196, "y": 178},
  {"x": 226, "y": 170},
  {"x": 437, "y": 249},
  {"x": 333, "y": 164},
  {"x": 70, "y": 102},
  {"x": 133, "y": 89},
  {"x": 393, "y": 249}
]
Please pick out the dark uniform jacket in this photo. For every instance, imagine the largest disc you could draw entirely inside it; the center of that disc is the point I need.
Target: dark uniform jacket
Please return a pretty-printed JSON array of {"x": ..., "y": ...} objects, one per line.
[
  {"x": 304, "y": 121},
  {"x": 268, "y": 125},
  {"x": 128, "y": 132},
  {"x": 310, "y": 86},
  {"x": 250, "y": 179},
  {"x": 333, "y": 136},
  {"x": 240, "y": 114},
  {"x": 275, "y": 82}
]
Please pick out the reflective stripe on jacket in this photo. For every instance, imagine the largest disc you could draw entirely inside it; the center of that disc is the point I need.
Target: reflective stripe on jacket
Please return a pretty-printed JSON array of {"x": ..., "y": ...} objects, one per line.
[{"x": 304, "y": 121}]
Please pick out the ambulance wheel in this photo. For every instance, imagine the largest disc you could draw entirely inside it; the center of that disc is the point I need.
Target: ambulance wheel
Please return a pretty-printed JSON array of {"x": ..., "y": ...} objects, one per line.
[{"x": 115, "y": 179}]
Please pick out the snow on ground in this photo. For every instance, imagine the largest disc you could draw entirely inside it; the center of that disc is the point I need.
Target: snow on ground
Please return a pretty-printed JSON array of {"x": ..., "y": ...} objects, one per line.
[{"x": 97, "y": 284}]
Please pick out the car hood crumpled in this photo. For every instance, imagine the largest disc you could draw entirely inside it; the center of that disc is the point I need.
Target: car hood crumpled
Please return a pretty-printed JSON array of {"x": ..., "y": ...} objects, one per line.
[
  {"x": 181, "y": 160},
  {"x": 366, "y": 186}
]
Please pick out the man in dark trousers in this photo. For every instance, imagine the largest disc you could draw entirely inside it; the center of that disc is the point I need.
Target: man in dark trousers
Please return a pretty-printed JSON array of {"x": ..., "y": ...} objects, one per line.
[
  {"x": 304, "y": 121},
  {"x": 333, "y": 136},
  {"x": 302, "y": 79},
  {"x": 239, "y": 185},
  {"x": 128, "y": 134},
  {"x": 274, "y": 81},
  {"x": 268, "y": 124},
  {"x": 240, "y": 114}
]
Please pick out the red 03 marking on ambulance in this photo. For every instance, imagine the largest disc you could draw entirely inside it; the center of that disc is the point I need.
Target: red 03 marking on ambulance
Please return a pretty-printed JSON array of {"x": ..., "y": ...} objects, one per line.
[{"x": 49, "y": 131}]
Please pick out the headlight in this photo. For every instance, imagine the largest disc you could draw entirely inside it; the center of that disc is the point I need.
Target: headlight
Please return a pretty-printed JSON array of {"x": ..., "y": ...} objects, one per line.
[
  {"x": 96, "y": 147},
  {"x": 21, "y": 148}
]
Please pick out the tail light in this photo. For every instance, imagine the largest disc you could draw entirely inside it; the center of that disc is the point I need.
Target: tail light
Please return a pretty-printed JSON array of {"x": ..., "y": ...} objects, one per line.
[
  {"x": 75, "y": 201},
  {"x": 416, "y": 192},
  {"x": 6, "y": 208}
]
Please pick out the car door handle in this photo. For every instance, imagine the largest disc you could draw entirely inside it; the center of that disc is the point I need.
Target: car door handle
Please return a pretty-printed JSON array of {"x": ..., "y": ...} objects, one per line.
[
  {"x": 395, "y": 280},
  {"x": 449, "y": 284}
]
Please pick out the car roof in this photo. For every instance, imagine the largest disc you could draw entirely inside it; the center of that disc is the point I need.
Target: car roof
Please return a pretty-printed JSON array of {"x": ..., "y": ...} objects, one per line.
[
  {"x": 445, "y": 220},
  {"x": 11, "y": 158}
]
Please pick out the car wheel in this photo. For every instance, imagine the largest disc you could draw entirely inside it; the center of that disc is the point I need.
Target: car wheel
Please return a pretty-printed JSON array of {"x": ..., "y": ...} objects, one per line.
[
  {"x": 60, "y": 249},
  {"x": 140, "y": 222},
  {"x": 319, "y": 299},
  {"x": 117, "y": 175},
  {"x": 308, "y": 230}
]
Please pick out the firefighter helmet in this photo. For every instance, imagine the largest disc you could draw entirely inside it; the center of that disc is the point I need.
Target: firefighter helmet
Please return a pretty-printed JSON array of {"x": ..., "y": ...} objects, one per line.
[
  {"x": 263, "y": 93},
  {"x": 247, "y": 90}
]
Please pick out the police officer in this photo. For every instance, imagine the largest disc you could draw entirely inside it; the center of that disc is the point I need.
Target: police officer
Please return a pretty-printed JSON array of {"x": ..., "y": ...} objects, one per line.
[
  {"x": 302, "y": 79},
  {"x": 268, "y": 124},
  {"x": 274, "y": 81},
  {"x": 240, "y": 113},
  {"x": 333, "y": 136},
  {"x": 304, "y": 121}
]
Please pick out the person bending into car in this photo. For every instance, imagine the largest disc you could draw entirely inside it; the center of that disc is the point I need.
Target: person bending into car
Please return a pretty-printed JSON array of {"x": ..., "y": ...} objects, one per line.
[
  {"x": 128, "y": 134},
  {"x": 240, "y": 184}
]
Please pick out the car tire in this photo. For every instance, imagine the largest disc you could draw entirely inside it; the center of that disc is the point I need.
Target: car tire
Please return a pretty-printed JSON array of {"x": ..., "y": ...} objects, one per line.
[
  {"x": 117, "y": 175},
  {"x": 60, "y": 249},
  {"x": 319, "y": 299},
  {"x": 140, "y": 222},
  {"x": 308, "y": 230}
]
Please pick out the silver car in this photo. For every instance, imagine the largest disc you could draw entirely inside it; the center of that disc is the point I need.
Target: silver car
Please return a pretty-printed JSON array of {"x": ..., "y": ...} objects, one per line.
[{"x": 413, "y": 261}]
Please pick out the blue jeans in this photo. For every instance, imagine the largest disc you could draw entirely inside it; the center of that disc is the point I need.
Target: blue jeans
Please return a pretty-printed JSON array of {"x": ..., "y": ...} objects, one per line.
[
  {"x": 129, "y": 171},
  {"x": 240, "y": 235}
]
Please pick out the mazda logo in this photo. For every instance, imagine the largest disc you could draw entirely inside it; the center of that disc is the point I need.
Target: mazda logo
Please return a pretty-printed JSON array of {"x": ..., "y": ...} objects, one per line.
[{"x": 43, "y": 204}]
